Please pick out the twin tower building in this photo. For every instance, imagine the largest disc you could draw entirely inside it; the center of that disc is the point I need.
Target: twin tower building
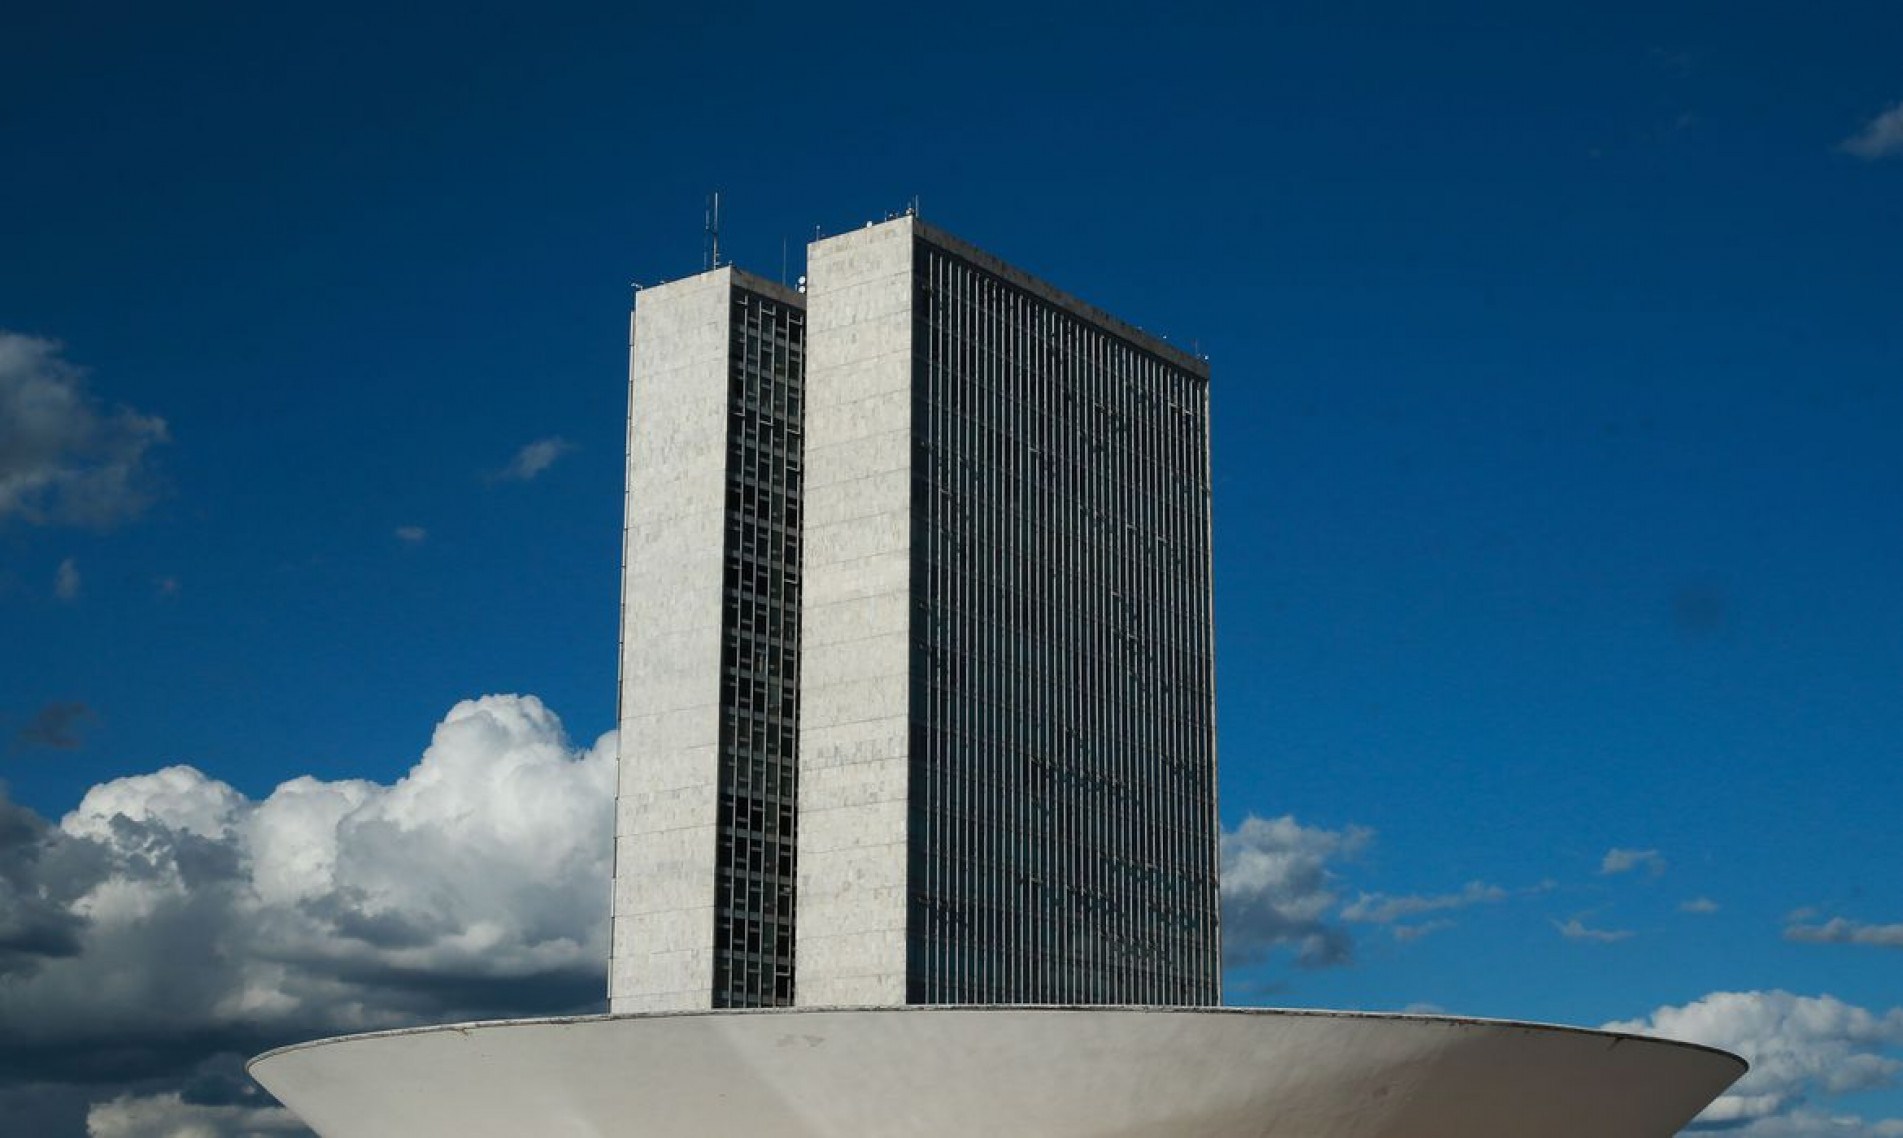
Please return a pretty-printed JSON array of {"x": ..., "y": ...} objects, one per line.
[{"x": 916, "y": 661}]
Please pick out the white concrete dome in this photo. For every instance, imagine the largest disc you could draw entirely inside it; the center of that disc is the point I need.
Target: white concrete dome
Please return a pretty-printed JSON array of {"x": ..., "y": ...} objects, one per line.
[{"x": 925, "y": 1072}]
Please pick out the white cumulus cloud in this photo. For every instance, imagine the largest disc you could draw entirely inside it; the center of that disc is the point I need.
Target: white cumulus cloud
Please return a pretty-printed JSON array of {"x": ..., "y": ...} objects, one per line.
[
  {"x": 1801, "y": 1048},
  {"x": 1278, "y": 890},
  {"x": 64, "y": 458},
  {"x": 170, "y": 921}
]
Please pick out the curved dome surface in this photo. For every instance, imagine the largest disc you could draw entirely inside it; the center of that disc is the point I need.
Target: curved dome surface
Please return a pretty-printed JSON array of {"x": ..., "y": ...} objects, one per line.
[{"x": 933, "y": 1072}]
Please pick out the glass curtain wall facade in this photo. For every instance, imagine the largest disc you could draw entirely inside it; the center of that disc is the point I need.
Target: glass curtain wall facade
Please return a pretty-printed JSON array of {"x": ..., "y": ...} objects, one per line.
[
  {"x": 759, "y": 685},
  {"x": 1062, "y": 767}
]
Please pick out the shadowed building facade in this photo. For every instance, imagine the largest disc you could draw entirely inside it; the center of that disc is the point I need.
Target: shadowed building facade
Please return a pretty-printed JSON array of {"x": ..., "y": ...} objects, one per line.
[{"x": 988, "y": 503}]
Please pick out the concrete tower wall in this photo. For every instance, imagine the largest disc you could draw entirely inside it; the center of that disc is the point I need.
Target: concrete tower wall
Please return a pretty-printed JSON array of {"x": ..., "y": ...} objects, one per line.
[
  {"x": 851, "y": 928},
  {"x": 668, "y": 797}
]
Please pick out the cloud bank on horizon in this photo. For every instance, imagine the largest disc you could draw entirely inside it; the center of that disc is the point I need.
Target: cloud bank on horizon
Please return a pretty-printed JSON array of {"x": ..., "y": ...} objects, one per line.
[{"x": 169, "y": 926}]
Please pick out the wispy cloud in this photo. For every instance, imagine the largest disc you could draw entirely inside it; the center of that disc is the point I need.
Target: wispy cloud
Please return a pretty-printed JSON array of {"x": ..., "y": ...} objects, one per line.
[
  {"x": 1703, "y": 906},
  {"x": 533, "y": 459},
  {"x": 65, "y": 459},
  {"x": 66, "y": 580},
  {"x": 1281, "y": 889},
  {"x": 1383, "y": 908},
  {"x": 1625, "y": 861},
  {"x": 1881, "y": 137},
  {"x": 1575, "y": 929},
  {"x": 1408, "y": 934},
  {"x": 412, "y": 535},
  {"x": 1840, "y": 930},
  {"x": 55, "y": 726}
]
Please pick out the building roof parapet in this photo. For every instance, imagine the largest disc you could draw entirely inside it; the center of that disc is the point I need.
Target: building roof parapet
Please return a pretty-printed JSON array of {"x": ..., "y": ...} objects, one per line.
[
  {"x": 1156, "y": 345},
  {"x": 736, "y": 277},
  {"x": 1123, "y": 329}
]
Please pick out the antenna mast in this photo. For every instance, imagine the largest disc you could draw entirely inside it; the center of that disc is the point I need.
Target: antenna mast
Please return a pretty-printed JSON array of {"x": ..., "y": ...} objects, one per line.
[{"x": 713, "y": 230}]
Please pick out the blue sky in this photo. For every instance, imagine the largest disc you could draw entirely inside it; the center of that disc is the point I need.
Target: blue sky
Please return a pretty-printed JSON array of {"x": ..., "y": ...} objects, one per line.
[{"x": 1558, "y": 412}]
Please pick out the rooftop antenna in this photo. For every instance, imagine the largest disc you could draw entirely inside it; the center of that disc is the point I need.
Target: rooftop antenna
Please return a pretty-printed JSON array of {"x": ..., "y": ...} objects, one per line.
[
  {"x": 713, "y": 230},
  {"x": 912, "y": 209}
]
